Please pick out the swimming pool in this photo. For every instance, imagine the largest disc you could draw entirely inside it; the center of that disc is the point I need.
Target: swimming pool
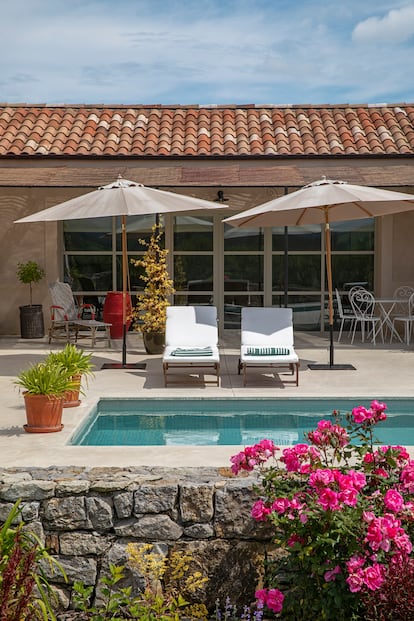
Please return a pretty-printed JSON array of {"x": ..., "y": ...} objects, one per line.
[{"x": 227, "y": 422}]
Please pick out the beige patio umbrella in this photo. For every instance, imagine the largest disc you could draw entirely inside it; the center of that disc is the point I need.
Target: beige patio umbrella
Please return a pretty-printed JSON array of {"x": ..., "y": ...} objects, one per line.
[
  {"x": 323, "y": 202},
  {"x": 121, "y": 198}
]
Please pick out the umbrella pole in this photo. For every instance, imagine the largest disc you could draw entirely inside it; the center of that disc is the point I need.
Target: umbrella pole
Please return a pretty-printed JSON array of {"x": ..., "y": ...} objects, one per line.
[
  {"x": 124, "y": 289},
  {"x": 330, "y": 296},
  {"x": 331, "y": 366},
  {"x": 124, "y": 365}
]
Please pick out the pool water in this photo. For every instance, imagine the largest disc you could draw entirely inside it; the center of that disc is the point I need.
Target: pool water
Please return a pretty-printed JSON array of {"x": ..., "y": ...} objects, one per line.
[{"x": 217, "y": 422}]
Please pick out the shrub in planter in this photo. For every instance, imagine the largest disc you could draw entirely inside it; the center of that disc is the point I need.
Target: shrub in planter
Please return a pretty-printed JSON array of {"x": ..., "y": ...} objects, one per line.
[
  {"x": 151, "y": 307},
  {"x": 45, "y": 385},
  {"x": 78, "y": 364},
  {"x": 31, "y": 316}
]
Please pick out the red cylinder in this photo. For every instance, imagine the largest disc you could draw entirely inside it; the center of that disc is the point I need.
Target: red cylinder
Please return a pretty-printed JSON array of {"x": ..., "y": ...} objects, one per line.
[{"x": 112, "y": 312}]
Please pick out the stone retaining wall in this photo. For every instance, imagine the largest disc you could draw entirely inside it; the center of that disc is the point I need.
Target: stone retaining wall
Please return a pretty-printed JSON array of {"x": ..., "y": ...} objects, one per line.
[{"x": 86, "y": 518}]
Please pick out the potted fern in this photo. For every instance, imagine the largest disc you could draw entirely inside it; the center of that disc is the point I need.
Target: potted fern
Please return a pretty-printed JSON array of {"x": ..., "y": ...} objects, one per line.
[
  {"x": 151, "y": 307},
  {"x": 44, "y": 387},
  {"x": 77, "y": 363},
  {"x": 31, "y": 315}
]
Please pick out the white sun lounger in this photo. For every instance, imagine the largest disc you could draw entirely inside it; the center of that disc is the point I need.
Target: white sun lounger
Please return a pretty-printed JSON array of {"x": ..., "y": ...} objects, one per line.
[
  {"x": 191, "y": 339},
  {"x": 267, "y": 340}
]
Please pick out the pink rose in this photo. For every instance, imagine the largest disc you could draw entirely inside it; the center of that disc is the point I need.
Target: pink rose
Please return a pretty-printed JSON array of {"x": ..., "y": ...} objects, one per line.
[
  {"x": 374, "y": 576},
  {"x": 328, "y": 499},
  {"x": 275, "y": 600},
  {"x": 272, "y": 598},
  {"x": 355, "y": 581},
  {"x": 355, "y": 563},
  {"x": 393, "y": 500},
  {"x": 260, "y": 511},
  {"x": 331, "y": 573},
  {"x": 321, "y": 477},
  {"x": 280, "y": 505},
  {"x": 361, "y": 414}
]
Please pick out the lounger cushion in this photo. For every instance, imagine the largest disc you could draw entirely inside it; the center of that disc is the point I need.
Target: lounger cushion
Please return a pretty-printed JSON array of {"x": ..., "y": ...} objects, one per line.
[
  {"x": 170, "y": 356},
  {"x": 267, "y": 351},
  {"x": 195, "y": 351}
]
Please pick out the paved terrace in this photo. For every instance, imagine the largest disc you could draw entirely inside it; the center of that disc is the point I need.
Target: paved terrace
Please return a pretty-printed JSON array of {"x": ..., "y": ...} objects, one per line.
[{"x": 381, "y": 371}]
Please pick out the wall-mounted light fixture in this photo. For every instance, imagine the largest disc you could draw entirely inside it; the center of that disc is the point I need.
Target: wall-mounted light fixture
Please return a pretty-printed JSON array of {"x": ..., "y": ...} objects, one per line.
[{"x": 220, "y": 197}]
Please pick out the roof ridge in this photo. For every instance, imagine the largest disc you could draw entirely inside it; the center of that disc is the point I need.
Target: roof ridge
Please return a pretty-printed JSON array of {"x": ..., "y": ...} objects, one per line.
[{"x": 204, "y": 106}]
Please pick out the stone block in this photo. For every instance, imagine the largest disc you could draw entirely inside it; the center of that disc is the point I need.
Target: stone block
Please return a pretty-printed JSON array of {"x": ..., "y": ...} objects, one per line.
[
  {"x": 155, "y": 499},
  {"x": 150, "y": 528},
  {"x": 67, "y": 513},
  {"x": 196, "y": 502}
]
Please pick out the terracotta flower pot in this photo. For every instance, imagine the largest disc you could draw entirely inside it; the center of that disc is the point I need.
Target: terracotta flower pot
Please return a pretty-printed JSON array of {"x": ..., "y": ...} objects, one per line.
[
  {"x": 72, "y": 396},
  {"x": 43, "y": 413}
]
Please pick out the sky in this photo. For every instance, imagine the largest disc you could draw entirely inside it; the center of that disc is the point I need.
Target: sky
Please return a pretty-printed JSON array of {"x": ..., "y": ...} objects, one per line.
[{"x": 206, "y": 51}]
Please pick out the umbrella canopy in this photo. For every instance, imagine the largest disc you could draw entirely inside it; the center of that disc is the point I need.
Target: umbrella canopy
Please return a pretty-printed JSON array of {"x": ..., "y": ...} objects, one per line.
[
  {"x": 323, "y": 202},
  {"x": 121, "y": 198}
]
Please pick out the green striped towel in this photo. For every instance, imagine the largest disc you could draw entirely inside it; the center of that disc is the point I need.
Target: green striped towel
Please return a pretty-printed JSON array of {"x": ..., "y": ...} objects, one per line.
[
  {"x": 267, "y": 351},
  {"x": 192, "y": 351}
]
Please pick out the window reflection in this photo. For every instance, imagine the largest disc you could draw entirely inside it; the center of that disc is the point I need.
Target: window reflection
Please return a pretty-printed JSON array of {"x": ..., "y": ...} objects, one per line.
[
  {"x": 306, "y": 310},
  {"x": 243, "y": 272},
  {"x": 232, "y": 308},
  {"x": 352, "y": 268},
  {"x": 193, "y": 272},
  {"x": 89, "y": 272},
  {"x": 304, "y": 272},
  {"x": 242, "y": 239},
  {"x": 300, "y": 238},
  {"x": 90, "y": 234},
  {"x": 353, "y": 235},
  {"x": 193, "y": 233},
  {"x": 137, "y": 227}
]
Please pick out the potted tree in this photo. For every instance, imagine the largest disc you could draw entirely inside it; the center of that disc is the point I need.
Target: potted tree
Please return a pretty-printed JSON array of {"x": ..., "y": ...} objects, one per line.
[
  {"x": 45, "y": 385},
  {"x": 31, "y": 316},
  {"x": 150, "y": 310},
  {"x": 77, "y": 363}
]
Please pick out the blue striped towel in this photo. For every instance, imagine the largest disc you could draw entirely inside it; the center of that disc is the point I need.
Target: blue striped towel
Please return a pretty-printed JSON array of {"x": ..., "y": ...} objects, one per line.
[
  {"x": 267, "y": 351},
  {"x": 192, "y": 351}
]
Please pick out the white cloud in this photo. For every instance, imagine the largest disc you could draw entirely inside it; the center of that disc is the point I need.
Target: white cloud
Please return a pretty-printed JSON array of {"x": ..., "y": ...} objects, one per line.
[{"x": 396, "y": 26}]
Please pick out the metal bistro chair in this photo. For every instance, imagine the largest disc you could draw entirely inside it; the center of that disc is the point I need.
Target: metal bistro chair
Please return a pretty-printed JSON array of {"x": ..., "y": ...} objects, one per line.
[
  {"x": 402, "y": 295},
  {"x": 345, "y": 314},
  {"x": 407, "y": 320},
  {"x": 363, "y": 305}
]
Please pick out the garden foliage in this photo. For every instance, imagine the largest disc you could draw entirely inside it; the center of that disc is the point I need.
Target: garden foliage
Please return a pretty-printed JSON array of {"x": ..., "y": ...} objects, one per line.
[{"x": 343, "y": 513}]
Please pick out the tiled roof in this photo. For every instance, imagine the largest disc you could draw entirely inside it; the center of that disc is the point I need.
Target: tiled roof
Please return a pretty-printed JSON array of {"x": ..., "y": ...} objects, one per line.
[{"x": 210, "y": 131}]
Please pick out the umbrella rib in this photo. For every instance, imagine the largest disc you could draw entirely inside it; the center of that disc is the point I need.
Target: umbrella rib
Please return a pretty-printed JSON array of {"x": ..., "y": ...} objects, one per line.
[{"x": 365, "y": 210}]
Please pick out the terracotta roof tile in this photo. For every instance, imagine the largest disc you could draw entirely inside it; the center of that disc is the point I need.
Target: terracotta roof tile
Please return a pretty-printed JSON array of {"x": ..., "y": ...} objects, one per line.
[{"x": 174, "y": 131}]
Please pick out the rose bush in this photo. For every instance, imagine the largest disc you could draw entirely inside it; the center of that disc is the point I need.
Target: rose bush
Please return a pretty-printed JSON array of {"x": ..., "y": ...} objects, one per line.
[{"x": 343, "y": 514}]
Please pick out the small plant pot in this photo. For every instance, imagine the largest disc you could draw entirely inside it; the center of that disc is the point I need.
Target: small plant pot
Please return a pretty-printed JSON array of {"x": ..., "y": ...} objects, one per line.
[
  {"x": 154, "y": 342},
  {"x": 43, "y": 413},
  {"x": 72, "y": 396}
]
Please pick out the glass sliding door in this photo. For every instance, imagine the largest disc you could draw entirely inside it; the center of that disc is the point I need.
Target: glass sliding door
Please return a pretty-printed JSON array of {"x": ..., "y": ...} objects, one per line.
[
  {"x": 193, "y": 259},
  {"x": 243, "y": 272}
]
